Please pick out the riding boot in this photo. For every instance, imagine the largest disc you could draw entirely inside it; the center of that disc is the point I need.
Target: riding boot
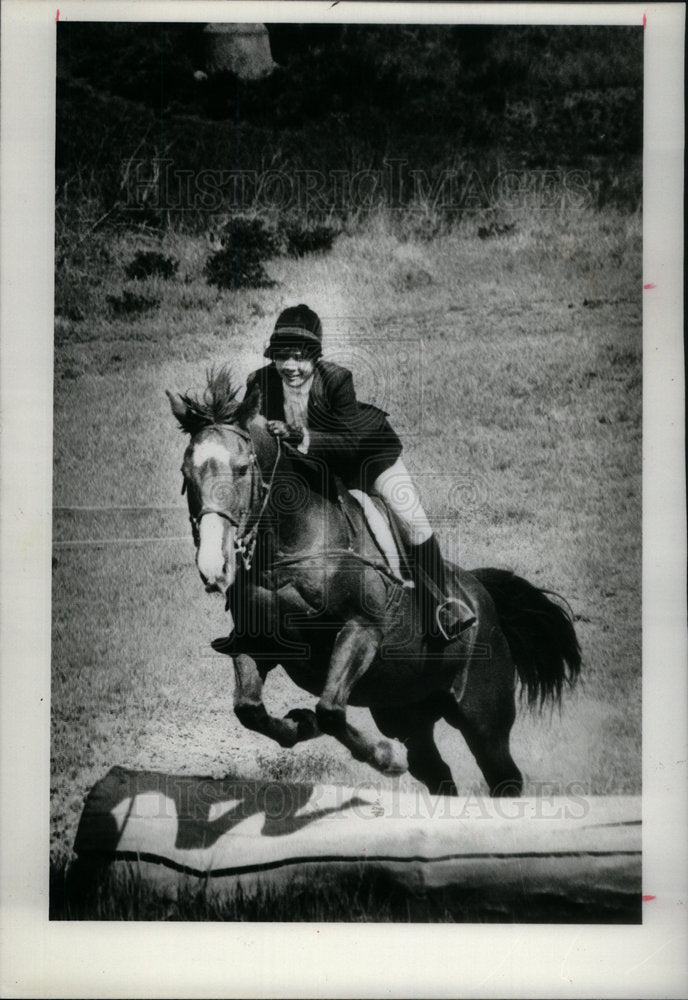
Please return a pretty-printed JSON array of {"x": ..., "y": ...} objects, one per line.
[
  {"x": 225, "y": 644},
  {"x": 442, "y": 617}
]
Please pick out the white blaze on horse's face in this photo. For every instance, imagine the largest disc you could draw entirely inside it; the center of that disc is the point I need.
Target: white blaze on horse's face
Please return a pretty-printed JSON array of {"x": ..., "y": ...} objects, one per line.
[
  {"x": 215, "y": 471},
  {"x": 210, "y": 448},
  {"x": 215, "y": 557}
]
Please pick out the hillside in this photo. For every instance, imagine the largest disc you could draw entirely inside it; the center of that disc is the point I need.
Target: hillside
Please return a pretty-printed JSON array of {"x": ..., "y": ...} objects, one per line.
[{"x": 350, "y": 97}]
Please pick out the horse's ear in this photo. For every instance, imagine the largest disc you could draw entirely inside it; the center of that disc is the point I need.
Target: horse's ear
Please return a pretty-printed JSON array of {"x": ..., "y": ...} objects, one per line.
[
  {"x": 249, "y": 407},
  {"x": 179, "y": 407}
]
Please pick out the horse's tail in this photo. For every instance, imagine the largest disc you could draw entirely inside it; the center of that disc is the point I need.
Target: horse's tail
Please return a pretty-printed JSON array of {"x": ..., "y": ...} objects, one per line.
[{"x": 539, "y": 632}]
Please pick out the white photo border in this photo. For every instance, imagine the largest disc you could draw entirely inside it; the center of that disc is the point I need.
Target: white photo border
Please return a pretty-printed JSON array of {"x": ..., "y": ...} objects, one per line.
[{"x": 55, "y": 959}]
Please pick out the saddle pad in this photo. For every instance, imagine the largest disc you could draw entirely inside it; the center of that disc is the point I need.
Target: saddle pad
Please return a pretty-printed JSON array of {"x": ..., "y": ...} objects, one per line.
[{"x": 382, "y": 533}]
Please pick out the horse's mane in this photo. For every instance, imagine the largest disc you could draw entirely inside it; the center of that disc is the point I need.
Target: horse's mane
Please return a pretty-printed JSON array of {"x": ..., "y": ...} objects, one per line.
[{"x": 217, "y": 405}]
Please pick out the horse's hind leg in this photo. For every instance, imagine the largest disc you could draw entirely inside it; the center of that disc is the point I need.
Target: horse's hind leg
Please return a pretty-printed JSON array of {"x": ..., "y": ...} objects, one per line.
[
  {"x": 484, "y": 712},
  {"x": 414, "y": 726},
  {"x": 298, "y": 725},
  {"x": 491, "y": 751}
]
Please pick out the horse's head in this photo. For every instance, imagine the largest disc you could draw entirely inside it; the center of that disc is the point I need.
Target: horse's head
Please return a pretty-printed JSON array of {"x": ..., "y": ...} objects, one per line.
[{"x": 221, "y": 475}]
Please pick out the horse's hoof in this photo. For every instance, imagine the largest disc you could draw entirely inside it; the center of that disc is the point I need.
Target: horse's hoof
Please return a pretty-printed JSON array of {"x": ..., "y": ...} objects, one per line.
[
  {"x": 390, "y": 758},
  {"x": 306, "y": 722}
]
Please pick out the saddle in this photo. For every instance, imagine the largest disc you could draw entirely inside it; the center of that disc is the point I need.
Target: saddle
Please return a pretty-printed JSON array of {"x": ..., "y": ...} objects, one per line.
[
  {"x": 384, "y": 530},
  {"x": 370, "y": 520},
  {"x": 365, "y": 511}
]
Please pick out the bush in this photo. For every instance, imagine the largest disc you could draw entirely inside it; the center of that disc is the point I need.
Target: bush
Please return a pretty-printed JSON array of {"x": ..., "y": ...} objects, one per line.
[
  {"x": 147, "y": 263},
  {"x": 228, "y": 269},
  {"x": 301, "y": 239},
  {"x": 250, "y": 236},
  {"x": 131, "y": 304},
  {"x": 246, "y": 243}
]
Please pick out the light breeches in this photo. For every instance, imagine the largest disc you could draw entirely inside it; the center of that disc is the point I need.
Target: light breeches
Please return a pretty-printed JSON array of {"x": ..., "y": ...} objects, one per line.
[{"x": 396, "y": 487}]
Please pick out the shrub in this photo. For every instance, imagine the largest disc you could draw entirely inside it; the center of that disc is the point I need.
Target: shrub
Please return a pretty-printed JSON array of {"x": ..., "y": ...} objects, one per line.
[
  {"x": 495, "y": 229},
  {"x": 301, "y": 239},
  {"x": 131, "y": 304},
  {"x": 250, "y": 236},
  {"x": 246, "y": 243},
  {"x": 147, "y": 263},
  {"x": 230, "y": 270}
]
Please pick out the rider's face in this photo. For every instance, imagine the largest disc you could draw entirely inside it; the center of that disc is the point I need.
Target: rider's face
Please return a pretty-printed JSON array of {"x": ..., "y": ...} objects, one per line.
[{"x": 294, "y": 368}]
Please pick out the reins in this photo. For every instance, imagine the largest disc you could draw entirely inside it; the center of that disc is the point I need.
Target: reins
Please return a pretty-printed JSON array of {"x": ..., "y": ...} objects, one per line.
[{"x": 246, "y": 545}]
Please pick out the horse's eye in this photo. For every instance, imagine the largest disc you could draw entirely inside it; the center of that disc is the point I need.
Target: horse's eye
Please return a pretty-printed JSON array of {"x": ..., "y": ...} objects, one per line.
[{"x": 241, "y": 470}]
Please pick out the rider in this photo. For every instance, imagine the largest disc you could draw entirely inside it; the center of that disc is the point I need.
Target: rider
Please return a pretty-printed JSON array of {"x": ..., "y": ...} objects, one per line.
[{"x": 311, "y": 404}]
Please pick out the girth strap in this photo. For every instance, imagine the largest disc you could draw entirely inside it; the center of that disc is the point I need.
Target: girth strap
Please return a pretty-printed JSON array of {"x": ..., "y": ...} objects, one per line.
[{"x": 310, "y": 555}]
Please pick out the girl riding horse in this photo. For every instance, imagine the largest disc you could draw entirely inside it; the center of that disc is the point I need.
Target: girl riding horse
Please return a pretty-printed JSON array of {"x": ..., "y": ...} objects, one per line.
[
  {"x": 310, "y": 405},
  {"x": 334, "y": 618}
]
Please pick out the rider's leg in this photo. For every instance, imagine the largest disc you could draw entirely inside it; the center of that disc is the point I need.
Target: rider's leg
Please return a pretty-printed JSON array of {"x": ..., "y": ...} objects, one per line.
[{"x": 442, "y": 617}]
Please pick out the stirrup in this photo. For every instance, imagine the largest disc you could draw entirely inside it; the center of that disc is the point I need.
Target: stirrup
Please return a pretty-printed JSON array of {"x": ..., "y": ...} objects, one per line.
[{"x": 457, "y": 627}]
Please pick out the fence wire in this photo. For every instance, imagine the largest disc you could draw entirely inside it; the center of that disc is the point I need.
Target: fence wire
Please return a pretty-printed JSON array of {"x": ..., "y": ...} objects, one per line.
[{"x": 123, "y": 508}]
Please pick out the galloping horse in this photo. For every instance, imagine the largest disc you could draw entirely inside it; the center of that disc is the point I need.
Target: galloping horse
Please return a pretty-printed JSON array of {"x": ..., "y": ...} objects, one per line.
[{"x": 271, "y": 536}]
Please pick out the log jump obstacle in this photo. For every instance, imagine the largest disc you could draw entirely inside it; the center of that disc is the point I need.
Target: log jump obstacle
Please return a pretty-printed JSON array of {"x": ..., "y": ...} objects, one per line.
[{"x": 577, "y": 856}]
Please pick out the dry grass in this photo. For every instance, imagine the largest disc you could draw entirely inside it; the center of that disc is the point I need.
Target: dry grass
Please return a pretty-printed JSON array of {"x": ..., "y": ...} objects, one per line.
[
  {"x": 525, "y": 443},
  {"x": 364, "y": 894}
]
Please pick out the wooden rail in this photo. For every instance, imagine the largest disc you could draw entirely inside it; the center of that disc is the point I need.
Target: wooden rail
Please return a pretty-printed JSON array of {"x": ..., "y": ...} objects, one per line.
[{"x": 575, "y": 856}]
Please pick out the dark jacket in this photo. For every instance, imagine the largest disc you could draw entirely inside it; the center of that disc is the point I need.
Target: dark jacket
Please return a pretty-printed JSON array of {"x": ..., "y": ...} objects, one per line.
[{"x": 353, "y": 439}]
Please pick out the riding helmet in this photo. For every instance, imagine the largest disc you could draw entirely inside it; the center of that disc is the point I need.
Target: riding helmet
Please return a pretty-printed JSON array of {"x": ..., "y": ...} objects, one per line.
[{"x": 297, "y": 326}]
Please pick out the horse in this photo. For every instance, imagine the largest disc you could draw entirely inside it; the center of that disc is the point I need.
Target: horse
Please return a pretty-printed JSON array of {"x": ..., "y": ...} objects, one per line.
[{"x": 272, "y": 536}]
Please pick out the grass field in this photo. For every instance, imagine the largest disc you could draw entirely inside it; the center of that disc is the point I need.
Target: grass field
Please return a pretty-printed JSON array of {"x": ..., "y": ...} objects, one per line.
[{"x": 511, "y": 367}]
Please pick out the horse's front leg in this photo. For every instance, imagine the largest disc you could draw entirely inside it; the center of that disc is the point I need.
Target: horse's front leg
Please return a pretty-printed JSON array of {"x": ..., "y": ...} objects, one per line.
[
  {"x": 354, "y": 651},
  {"x": 298, "y": 725}
]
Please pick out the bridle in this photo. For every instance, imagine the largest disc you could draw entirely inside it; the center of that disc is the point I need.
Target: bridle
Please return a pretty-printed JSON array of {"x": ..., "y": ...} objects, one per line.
[{"x": 248, "y": 521}]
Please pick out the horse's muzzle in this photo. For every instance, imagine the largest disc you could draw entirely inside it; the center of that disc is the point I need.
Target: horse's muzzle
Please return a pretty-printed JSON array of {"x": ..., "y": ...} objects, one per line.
[{"x": 215, "y": 557}]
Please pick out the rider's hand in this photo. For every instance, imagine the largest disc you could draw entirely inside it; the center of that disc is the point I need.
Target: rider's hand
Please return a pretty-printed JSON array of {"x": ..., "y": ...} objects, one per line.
[{"x": 286, "y": 432}]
